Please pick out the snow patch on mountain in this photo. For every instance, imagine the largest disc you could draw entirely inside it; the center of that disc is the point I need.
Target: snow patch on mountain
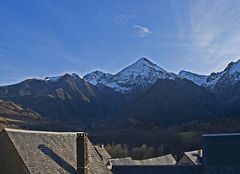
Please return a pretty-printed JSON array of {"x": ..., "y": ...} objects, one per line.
[
  {"x": 230, "y": 75},
  {"x": 195, "y": 78},
  {"x": 56, "y": 78},
  {"x": 208, "y": 81},
  {"x": 52, "y": 79},
  {"x": 233, "y": 67},
  {"x": 97, "y": 77}
]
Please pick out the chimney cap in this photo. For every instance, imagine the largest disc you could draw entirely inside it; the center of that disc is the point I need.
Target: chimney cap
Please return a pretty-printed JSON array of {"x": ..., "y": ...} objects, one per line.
[{"x": 80, "y": 134}]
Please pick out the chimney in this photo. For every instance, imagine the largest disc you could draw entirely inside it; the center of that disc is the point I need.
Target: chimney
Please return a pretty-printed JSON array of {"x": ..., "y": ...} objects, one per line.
[
  {"x": 199, "y": 153},
  {"x": 82, "y": 153}
]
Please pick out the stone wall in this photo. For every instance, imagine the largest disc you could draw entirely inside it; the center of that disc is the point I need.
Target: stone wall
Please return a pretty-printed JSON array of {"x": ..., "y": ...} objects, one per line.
[{"x": 171, "y": 169}]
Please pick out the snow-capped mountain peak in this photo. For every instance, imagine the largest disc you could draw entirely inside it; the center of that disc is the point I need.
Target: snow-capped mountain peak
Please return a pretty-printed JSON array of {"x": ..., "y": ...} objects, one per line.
[
  {"x": 142, "y": 67},
  {"x": 145, "y": 62},
  {"x": 140, "y": 74}
]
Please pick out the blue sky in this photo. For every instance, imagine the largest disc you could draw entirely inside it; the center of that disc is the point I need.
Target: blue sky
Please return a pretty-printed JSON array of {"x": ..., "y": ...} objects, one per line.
[{"x": 40, "y": 38}]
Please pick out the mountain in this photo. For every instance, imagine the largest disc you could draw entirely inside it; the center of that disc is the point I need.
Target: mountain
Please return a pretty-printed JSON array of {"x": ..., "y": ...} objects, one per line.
[
  {"x": 141, "y": 92},
  {"x": 197, "y": 79},
  {"x": 15, "y": 115},
  {"x": 229, "y": 76},
  {"x": 229, "y": 97},
  {"x": 208, "y": 81},
  {"x": 227, "y": 89},
  {"x": 169, "y": 102},
  {"x": 12, "y": 109},
  {"x": 143, "y": 103},
  {"x": 97, "y": 77},
  {"x": 143, "y": 73},
  {"x": 138, "y": 76},
  {"x": 225, "y": 85},
  {"x": 67, "y": 97},
  {"x": 63, "y": 87}
]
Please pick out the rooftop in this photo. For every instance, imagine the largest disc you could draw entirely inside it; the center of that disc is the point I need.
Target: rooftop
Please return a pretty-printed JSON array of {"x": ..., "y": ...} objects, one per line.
[
  {"x": 52, "y": 152},
  {"x": 40, "y": 132},
  {"x": 194, "y": 156},
  {"x": 219, "y": 135}
]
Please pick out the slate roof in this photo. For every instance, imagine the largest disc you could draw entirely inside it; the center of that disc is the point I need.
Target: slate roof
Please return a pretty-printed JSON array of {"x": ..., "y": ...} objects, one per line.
[
  {"x": 221, "y": 135},
  {"x": 162, "y": 160},
  {"x": 52, "y": 152},
  {"x": 122, "y": 161},
  {"x": 103, "y": 154},
  {"x": 194, "y": 156}
]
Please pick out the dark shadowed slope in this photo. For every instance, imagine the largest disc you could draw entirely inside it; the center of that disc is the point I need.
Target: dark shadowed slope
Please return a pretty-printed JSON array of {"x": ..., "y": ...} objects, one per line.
[{"x": 170, "y": 102}]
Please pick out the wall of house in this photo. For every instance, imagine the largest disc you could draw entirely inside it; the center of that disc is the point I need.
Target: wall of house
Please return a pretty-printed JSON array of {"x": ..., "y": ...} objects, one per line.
[
  {"x": 185, "y": 161},
  {"x": 197, "y": 169},
  {"x": 221, "y": 154},
  {"x": 10, "y": 161}
]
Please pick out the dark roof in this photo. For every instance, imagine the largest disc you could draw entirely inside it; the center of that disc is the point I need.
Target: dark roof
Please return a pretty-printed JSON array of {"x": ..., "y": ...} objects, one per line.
[
  {"x": 161, "y": 160},
  {"x": 194, "y": 156},
  {"x": 102, "y": 152},
  {"x": 122, "y": 161},
  {"x": 52, "y": 152},
  {"x": 219, "y": 135}
]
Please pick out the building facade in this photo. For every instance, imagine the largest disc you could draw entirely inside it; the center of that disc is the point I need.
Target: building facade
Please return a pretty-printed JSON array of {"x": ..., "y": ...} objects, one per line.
[{"x": 221, "y": 154}]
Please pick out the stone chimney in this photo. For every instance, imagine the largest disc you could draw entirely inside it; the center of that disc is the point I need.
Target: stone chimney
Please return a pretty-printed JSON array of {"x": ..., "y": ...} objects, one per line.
[
  {"x": 82, "y": 153},
  {"x": 199, "y": 153}
]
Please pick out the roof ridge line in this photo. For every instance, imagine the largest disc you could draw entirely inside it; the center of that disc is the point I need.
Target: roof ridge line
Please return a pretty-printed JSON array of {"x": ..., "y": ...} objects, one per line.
[{"x": 36, "y": 131}]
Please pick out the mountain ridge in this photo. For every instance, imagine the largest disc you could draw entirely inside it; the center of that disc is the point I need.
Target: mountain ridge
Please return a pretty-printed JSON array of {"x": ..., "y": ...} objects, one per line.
[
  {"x": 229, "y": 76},
  {"x": 143, "y": 73},
  {"x": 100, "y": 96},
  {"x": 68, "y": 97}
]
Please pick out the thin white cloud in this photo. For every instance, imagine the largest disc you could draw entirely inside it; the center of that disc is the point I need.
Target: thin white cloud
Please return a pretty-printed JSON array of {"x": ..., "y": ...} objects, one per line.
[
  {"x": 142, "y": 31},
  {"x": 210, "y": 30},
  {"x": 216, "y": 28}
]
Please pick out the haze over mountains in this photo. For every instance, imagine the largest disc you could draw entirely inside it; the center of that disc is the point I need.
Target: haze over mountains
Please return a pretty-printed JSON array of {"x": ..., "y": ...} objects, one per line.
[{"x": 140, "y": 93}]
